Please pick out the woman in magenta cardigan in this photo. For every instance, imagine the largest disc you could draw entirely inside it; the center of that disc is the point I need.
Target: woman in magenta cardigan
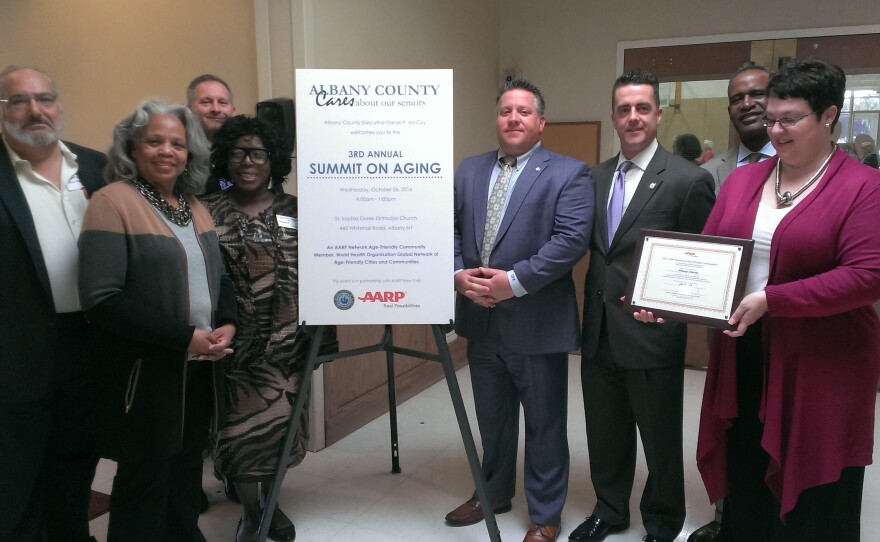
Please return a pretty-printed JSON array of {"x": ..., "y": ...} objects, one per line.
[{"x": 788, "y": 411}]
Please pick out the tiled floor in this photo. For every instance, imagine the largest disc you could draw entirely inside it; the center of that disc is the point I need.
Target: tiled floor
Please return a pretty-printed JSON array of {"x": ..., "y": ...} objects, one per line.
[{"x": 346, "y": 493}]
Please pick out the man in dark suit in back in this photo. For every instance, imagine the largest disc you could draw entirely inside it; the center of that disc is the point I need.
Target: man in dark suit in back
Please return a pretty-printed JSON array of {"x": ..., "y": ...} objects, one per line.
[
  {"x": 47, "y": 458},
  {"x": 746, "y": 96},
  {"x": 516, "y": 304},
  {"x": 632, "y": 374}
]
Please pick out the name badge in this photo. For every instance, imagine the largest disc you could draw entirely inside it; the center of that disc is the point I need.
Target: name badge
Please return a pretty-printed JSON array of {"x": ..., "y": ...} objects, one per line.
[{"x": 286, "y": 221}]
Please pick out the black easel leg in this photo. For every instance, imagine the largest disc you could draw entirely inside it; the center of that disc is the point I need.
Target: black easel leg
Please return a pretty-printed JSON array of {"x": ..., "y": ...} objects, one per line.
[
  {"x": 392, "y": 400},
  {"x": 466, "y": 436}
]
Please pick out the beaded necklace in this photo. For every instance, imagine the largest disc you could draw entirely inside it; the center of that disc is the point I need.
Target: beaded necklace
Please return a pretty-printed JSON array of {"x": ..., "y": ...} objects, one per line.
[{"x": 180, "y": 216}]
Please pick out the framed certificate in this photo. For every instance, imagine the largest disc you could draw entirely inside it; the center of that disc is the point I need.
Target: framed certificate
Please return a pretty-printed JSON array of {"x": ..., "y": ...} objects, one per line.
[{"x": 688, "y": 277}]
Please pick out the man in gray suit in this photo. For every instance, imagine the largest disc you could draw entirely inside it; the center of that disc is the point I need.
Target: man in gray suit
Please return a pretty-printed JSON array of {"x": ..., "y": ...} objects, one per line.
[
  {"x": 522, "y": 220},
  {"x": 747, "y": 96},
  {"x": 632, "y": 374}
]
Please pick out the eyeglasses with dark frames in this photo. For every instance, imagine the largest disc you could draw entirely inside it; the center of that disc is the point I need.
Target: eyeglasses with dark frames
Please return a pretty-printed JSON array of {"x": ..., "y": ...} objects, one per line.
[{"x": 257, "y": 156}]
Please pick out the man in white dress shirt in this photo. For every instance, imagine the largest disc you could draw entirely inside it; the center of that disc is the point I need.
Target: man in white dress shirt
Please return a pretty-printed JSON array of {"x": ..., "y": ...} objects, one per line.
[{"x": 47, "y": 457}]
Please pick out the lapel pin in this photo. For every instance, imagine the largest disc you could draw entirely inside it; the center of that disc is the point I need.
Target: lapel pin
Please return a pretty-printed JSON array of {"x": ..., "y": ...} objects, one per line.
[
  {"x": 538, "y": 168},
  {"x": 652, "y": 185}
]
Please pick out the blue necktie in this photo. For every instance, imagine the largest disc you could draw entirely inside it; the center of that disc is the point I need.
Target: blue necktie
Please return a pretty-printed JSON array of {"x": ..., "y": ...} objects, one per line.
[{"x": 615, "y": 206}]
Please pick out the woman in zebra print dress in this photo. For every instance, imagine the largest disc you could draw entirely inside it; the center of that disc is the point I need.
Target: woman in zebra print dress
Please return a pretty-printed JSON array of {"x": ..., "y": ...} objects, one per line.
[{"x": 256, "y": 224}]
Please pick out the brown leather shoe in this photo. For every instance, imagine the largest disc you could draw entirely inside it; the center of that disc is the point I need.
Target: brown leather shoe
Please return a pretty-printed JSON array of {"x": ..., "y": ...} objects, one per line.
[
  {"x": 541, "y": 533},
  {"x": 472, "y": 512}
]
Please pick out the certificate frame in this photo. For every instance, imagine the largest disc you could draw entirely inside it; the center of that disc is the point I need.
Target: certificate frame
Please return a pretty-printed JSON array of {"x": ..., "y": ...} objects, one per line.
[{"x": 688, "y": 277}]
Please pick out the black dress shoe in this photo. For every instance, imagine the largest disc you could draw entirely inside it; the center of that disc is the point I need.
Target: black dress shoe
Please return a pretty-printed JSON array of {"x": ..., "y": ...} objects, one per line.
[
  {"x": 595, "y": 530},
  {"x": 710, "y": 532},
  {"x": 283, "y": 534},
  {"x": 652, "y": 538}
]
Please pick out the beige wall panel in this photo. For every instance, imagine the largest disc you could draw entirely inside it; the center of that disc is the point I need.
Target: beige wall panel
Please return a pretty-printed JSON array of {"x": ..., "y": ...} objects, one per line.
[
  {"x": 107, "y": 55},
  {"x": 762, "y": 53},
  {"x": 706, "y": 118},
  {"x": 281, "y": 44},
  {"x": 783, "y": 49}
]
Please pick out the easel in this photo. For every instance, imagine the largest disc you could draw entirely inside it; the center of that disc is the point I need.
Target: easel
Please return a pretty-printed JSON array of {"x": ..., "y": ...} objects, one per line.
[{"x": 387, "y": 346}]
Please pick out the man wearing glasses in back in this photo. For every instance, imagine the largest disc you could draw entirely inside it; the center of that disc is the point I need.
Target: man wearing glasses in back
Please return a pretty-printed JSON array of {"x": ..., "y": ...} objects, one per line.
[{"x": 47, "y": 457}]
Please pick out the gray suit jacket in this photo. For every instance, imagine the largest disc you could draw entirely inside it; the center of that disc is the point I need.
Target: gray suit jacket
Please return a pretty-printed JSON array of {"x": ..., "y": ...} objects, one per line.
[
  {"x": 721, "y": 166},
  {"x": 673, "y": 195},
  {"x": 544, "y": 232}
]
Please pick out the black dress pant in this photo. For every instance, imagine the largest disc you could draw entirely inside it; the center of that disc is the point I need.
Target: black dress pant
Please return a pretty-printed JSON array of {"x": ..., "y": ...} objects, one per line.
[
  {"x": 828, "y": 512},
  {"x": 47, "y": 453},
  {"x": 159, "y": 498},
  {"x": 621, "y": 404}
]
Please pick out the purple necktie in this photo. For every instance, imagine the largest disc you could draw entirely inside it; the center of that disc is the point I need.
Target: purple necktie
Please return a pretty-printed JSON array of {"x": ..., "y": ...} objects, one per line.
[{"x": 615, "y": 206}]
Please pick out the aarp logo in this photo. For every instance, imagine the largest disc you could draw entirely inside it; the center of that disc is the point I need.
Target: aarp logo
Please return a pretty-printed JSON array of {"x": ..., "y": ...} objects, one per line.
[{"x": 382, "y": 297}]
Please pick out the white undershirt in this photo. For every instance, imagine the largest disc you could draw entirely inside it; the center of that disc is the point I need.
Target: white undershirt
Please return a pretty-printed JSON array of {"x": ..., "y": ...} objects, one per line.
[
  {"x": 634, "y": 176},
  {"x": 766, "y": 222},
  {"x": 58, "y": 216}
]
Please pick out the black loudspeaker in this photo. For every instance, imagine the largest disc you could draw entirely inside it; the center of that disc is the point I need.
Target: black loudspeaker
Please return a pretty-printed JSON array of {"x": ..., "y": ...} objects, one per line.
[{"x": 279, "y": 113}]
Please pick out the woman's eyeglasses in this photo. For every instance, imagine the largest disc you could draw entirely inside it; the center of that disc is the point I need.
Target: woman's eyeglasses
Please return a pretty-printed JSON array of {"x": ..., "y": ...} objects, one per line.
[
  {"x": 785, "y": 122},
  {"x": 257, "y": 156}
]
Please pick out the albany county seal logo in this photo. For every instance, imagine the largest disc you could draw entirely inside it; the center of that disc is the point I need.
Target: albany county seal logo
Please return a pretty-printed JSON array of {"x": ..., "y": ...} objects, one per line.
[{"x": 343, "y": 300}]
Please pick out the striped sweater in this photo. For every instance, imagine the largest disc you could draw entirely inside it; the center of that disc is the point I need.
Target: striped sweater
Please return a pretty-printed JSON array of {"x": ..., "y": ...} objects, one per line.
[{"x": 133, "y": 286}]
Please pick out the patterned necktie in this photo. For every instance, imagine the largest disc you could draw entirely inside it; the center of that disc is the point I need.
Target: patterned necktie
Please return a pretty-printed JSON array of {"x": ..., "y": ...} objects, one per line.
[
  {"x": 615, "y": 206},
  {"x": 496, "y": 206},
  {"x": 755, "y": 157}
]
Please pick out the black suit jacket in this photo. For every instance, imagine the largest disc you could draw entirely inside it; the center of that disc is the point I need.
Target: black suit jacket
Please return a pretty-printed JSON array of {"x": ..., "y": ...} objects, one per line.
[
  {"x": 29, "y": 330},
  {"x": 673, "y": 195}
]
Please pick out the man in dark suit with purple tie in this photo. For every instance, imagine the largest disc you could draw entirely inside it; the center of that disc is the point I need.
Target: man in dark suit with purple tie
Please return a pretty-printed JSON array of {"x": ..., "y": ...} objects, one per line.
[
  {"x": 632, "y": 374},
  {"x": 522, "y": 220}
]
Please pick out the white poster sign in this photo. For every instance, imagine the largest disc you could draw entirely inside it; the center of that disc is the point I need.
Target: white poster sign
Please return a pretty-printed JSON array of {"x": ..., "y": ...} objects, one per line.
[{"x": 375, "y": 172}]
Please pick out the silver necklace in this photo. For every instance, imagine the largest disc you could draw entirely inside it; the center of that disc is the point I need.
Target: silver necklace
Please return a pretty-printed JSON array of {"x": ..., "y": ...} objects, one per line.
[
  {"x": 180, "y": 216},
  {"x": 784, "y": 200}
]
